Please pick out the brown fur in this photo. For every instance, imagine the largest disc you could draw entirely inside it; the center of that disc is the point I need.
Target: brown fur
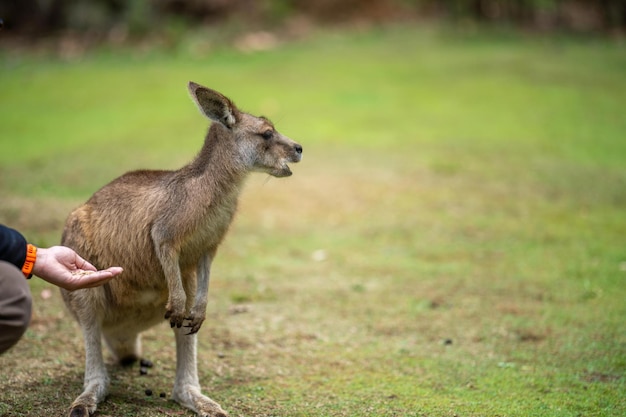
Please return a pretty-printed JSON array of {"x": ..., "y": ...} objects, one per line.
[{"x": 164, "y": 228}]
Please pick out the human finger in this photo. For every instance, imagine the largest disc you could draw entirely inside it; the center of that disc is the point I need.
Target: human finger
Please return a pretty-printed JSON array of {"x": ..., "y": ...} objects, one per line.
[
  {"x": 89, "y": 279},
  {"x": 114, "y": 270},
  {"x": 84, "y": 265}
]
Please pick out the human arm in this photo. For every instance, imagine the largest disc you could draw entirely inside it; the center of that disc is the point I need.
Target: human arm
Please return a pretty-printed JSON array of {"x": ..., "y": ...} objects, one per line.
[
  {"x": 61, "y": 266},
  {"x": 58, "y": 265},
  {"x": 12, "y": 246}
]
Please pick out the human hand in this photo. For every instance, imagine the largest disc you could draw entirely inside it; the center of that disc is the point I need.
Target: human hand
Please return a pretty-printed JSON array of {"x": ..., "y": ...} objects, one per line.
[{"x": 61, "y": 266}]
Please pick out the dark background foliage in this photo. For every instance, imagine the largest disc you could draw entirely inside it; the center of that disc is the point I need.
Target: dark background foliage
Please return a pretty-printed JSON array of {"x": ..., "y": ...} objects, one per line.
[{"x": 38, "y": 18}]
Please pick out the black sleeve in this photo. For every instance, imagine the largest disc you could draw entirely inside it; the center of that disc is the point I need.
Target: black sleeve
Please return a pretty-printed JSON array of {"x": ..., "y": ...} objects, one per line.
[{"x": 12, "y": 246}]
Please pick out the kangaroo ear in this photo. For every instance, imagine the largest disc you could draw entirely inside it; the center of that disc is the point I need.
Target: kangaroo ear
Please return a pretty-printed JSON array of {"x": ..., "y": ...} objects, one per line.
[{"x": 214, "y": 105}]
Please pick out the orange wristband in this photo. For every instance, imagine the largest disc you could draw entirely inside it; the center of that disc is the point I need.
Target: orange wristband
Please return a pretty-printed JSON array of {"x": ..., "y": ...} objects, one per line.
[{"x": 29, "y": 263}]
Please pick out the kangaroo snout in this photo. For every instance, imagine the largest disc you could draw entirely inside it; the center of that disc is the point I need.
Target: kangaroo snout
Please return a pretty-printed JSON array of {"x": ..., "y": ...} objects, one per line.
[
  {"x": 297, "y": 149},
  {"x": 294, "y": 156}
]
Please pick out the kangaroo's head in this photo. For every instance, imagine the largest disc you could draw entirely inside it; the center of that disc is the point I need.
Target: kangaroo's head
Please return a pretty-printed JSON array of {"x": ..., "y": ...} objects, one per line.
[{"x": 259, "y": 145}]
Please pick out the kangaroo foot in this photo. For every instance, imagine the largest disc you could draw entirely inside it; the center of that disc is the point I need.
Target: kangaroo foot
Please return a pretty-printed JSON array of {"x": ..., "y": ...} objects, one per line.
[
  {"x": 79, "y": 411},
  {"x": 83, "y": 406},
  {"x": 192, "y": 398}
]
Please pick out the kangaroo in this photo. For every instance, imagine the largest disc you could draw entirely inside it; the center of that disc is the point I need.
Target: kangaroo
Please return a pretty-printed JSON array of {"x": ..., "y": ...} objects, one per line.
[{"x": 164, "y": 228}]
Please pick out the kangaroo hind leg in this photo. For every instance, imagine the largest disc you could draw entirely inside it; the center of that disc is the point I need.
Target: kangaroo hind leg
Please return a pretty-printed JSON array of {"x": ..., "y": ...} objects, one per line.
[
  {"x": 187, "y": 390},
  {"x": 96, "y": 383}
]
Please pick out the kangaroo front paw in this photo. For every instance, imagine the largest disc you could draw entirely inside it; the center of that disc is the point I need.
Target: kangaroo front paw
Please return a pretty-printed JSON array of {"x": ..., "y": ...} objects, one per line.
[
  {"x": 194, "y": 322},
  {"x": 175, "y": 316}
]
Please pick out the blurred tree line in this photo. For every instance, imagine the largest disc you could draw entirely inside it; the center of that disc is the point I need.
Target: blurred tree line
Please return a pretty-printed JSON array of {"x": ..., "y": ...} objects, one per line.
[{"x": 36, "y": 18}]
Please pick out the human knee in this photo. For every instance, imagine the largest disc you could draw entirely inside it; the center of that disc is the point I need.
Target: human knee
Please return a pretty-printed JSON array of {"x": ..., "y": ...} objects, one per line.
[{"x": 15, "y": 305}]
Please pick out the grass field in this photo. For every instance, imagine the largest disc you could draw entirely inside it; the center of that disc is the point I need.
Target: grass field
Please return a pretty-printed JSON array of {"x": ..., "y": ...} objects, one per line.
[{"x": 452, "y": 244}]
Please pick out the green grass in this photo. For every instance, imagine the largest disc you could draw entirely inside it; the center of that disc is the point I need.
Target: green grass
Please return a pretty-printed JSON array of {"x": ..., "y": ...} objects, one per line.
[{"x": 468, "y": 188}]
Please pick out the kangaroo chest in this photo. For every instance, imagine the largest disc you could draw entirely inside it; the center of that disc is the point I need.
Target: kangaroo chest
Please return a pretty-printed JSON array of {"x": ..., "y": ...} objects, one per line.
[{"x": 208, "y": 231}]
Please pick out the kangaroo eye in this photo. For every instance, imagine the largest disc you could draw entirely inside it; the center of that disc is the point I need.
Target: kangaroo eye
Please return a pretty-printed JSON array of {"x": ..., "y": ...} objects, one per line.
[{"x": 267, "y": 135}]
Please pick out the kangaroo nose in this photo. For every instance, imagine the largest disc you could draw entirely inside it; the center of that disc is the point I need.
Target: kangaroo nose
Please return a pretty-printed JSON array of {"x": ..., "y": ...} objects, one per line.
[{"x": 298, "y": 149}]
